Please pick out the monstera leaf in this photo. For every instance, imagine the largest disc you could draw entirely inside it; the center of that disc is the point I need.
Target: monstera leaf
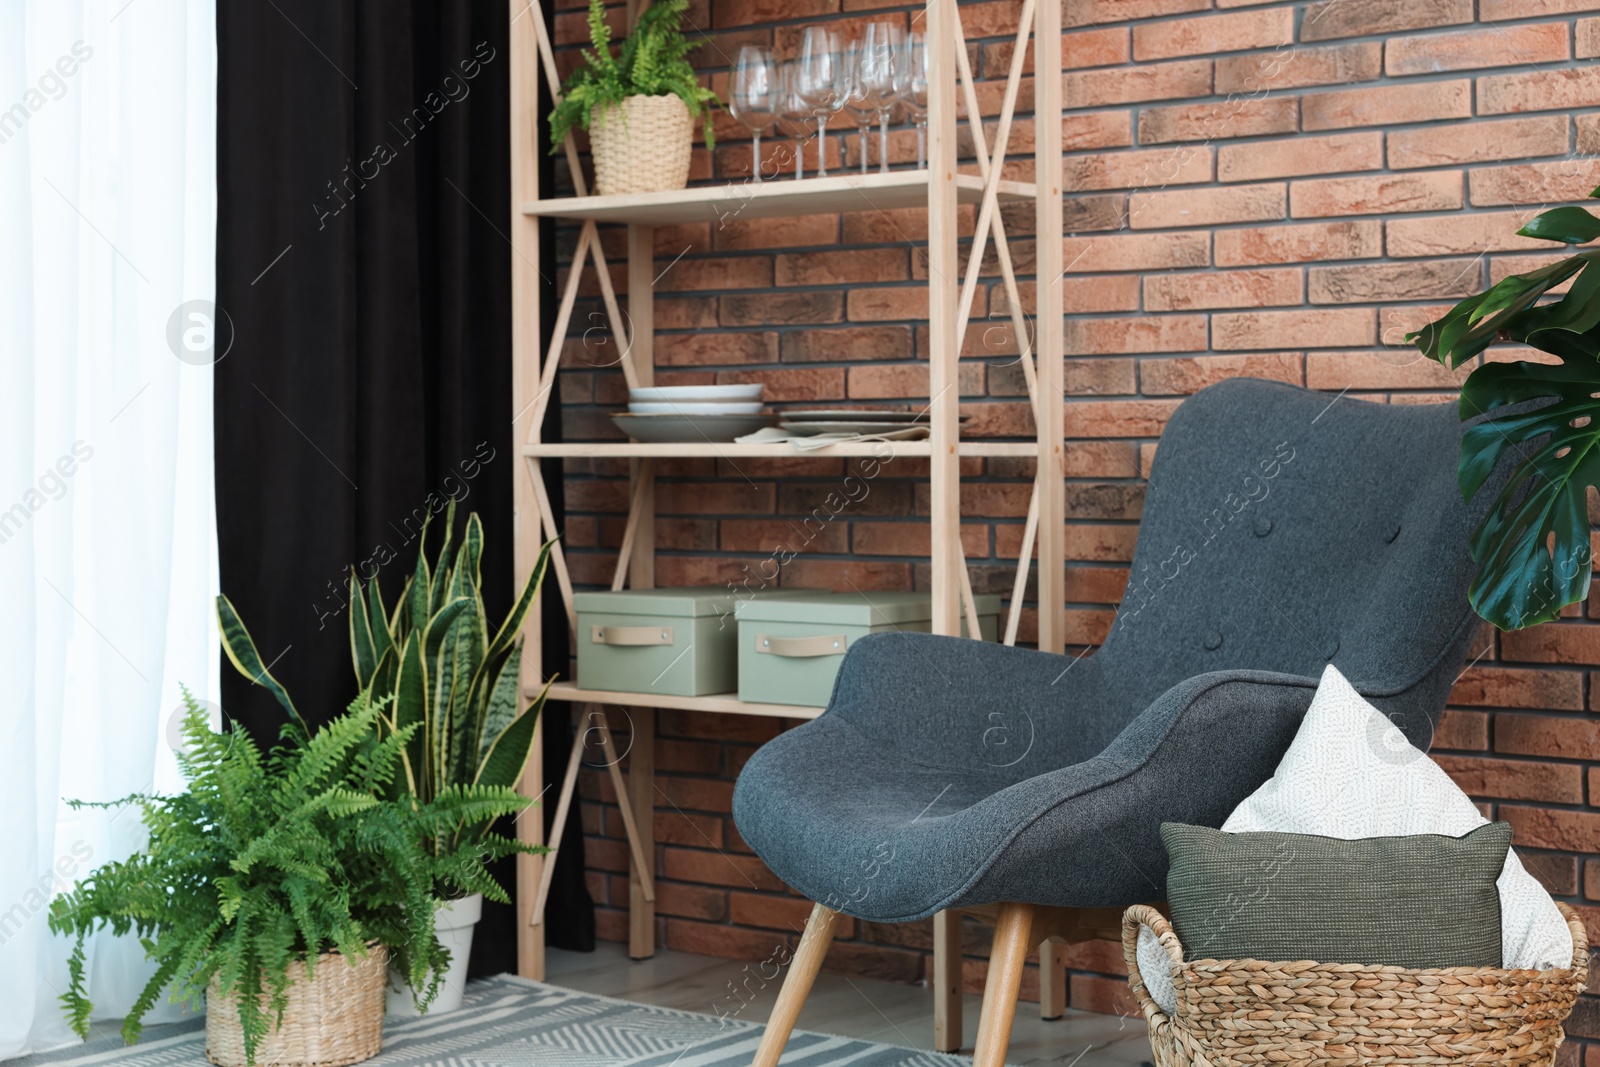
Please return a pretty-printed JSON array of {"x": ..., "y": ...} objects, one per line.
[{"x": 1532, "y": 546}]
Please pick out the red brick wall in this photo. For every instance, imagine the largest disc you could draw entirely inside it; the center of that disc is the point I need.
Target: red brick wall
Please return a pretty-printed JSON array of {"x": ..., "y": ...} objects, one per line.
[{"x": 1275, "y": 190}]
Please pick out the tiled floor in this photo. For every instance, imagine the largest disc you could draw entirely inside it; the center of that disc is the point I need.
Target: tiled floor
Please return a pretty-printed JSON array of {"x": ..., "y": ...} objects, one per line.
[{"x": 852, "y": 1007}]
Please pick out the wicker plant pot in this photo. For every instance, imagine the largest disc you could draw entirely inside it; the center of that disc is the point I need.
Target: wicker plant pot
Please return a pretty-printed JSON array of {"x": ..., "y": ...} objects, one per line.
[
  {"x": 641, "y": 145},
  {"x": 333, "y": 1019},
  {"x": 1231, "y": 1013}
]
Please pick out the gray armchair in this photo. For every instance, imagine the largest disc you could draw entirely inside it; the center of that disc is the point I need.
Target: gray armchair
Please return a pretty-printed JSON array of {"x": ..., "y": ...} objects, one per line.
[{"x": 1283, "y": 530}]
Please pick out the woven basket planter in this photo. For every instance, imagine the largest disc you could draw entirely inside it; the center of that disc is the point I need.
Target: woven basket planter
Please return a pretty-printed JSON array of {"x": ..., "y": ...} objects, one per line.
[
  {"x": 641, "y": 145},
  {"x": 333, "y": 1019},
  {"x": 1232, "y": 1013}
]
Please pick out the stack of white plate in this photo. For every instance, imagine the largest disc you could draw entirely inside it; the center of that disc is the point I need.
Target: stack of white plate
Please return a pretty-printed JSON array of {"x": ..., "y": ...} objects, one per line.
[{"x": 672, "y": 414}]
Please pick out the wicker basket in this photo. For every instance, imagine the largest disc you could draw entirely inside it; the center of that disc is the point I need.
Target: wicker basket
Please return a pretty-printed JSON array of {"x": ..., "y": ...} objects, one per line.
[
  {"x": 641, "y": 145},
  {"x": 1236, "y": 1012},
  {"x": 333, "y": 1019}
]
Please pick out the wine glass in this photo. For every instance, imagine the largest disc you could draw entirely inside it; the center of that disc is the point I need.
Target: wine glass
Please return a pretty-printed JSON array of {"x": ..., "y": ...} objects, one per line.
[
  {"x": 911, "y": 89},
  {"x": 794, "y": 114},
  {"x": 880, "y": 47},
  {"x": 755, "y": 97},
  {"x": 822, "y": 83},
  {"x": 857, "y": 101}
]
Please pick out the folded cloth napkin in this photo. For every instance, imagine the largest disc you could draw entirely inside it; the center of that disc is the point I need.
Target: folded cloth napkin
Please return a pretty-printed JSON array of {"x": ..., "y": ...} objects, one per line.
[{"x": 804, "y": 442}]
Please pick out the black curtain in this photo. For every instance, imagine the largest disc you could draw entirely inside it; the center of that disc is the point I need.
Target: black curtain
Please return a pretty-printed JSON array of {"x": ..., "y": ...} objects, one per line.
[{"x": 364, "y": 265}]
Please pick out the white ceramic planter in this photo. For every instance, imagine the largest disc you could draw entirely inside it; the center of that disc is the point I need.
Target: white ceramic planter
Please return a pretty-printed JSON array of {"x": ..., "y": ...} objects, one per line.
[{"x": 453, "y": 921}]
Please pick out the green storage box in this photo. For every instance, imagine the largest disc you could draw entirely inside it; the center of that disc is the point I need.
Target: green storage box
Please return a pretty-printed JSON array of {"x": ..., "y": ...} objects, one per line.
[
  {"x": 791, "y": 647},
  {"x": 675, "y": 642}
]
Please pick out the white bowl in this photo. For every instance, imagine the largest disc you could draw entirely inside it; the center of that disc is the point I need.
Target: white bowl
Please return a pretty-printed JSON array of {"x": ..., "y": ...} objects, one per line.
[
  {"x": 698, "y": 394},
  {"x": 690, "y": 408}
]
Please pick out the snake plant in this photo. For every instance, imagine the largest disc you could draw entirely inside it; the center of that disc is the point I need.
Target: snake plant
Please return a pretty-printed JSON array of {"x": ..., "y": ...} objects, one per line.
[
  {"x": 1532, "y": 546},
  {"x": 447, "y": 674},
  {"x": 458, "y": 840}
]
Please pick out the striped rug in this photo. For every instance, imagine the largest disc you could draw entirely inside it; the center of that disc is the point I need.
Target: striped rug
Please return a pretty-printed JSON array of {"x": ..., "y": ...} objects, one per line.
[{"x": 512, "y": 1022}]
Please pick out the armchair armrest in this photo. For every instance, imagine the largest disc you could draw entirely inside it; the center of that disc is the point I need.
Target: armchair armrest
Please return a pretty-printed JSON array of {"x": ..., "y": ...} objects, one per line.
[
  {"x": 1092, "y": 831},
  {"x": 922, "y": 696}
]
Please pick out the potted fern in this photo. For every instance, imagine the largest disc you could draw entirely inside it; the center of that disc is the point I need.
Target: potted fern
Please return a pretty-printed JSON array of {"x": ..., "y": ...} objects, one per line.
[
  {"x": 452, "y": 685},
  {"x": 280, "y": 882},
  {"x": 1532, "y": 546},
  {"x": 639, "y": 107}
]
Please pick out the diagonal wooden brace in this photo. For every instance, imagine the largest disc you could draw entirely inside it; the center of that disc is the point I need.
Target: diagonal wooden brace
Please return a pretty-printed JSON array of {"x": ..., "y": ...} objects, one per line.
[
  {"x": 630, "y": 532},
  {"x": 581, "y": 186},
  {"x": 988, "y": 212},
  {"x": 593, "y": 718},
  {"x": 1024, "y": 562},
  {"x": 558, "y": 558}
]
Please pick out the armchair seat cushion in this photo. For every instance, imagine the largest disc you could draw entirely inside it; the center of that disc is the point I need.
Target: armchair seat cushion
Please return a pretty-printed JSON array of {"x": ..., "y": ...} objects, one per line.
[{"x": 869, "y": 822}]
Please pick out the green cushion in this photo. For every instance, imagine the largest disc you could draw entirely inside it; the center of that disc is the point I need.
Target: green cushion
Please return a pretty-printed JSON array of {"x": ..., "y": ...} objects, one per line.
[{"x": 1418, "y": 901}]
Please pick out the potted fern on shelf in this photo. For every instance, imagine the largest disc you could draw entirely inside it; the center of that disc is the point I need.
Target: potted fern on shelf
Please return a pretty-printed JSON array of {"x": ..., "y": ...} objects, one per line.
[
  {"x": 451, "y": 685},
  {"x": 639, "y": 106},
  {"x": 1533, "y": 545}
]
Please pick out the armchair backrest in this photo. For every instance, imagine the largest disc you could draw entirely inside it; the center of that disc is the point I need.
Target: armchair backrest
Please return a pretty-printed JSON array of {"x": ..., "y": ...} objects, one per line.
[{"x": 1284, "y": 529}]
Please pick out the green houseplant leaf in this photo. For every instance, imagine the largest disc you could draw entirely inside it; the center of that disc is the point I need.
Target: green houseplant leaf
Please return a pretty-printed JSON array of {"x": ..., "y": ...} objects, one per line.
[
  {"x": 502, "y": 705},
  {"x": 508, "y": 753},
  {"x": 1569, "y": 225},
  {"x": 654, "y": 61},
  {"x": 241, "y": 652},
  {"x": 1474, "y": 324},
  {"x": 1532, "y": 546},
  {"x": 411, "y": 710},
  {"x": 453, "y": 687},
  {"x": 363, "y": 649}
]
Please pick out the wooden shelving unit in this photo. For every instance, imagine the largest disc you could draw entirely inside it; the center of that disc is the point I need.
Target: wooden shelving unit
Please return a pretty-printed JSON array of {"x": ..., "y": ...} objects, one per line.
[{"x": 939, "y": 189}]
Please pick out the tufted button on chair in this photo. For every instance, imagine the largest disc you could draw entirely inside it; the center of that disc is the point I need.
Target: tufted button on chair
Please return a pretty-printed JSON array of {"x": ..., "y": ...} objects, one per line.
[{"x": 1029, "y": 788}]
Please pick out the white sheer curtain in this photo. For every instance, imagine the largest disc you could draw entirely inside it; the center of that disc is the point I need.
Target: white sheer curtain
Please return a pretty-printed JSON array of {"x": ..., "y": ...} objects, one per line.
[{"x": 107, "y": 531}]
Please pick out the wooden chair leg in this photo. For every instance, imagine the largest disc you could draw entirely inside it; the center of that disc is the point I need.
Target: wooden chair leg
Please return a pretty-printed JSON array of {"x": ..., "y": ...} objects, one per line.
[
  {"x": 796, "y": 985},
  {"x": 1052, "y": 980},
  {"x": 947, "y": 981},
  {"x": 1013, "y": 935}
]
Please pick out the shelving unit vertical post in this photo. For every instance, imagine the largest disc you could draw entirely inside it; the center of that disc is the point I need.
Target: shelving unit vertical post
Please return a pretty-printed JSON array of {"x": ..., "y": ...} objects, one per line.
[
  {"x": 642, "y": 570},
  {"x": 1050, "y": 413},
  {"x": 525, "y": 366},
  {"x": 944, "y": 395}
]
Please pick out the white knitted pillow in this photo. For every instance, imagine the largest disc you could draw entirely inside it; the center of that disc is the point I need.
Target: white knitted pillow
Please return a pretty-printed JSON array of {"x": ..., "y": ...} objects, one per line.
[{"x": 1349, "y": 773}]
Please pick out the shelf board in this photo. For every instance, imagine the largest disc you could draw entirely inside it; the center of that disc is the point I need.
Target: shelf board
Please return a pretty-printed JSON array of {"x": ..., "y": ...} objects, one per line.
[
  {"x": 734, "y": 450},
  {"x": 723, "y": 703},
  {"x": 748, "y": 200}
]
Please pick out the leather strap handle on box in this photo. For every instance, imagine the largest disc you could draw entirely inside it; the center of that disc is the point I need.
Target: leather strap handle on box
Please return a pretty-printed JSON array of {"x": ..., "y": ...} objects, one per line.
[
  {"x": 631, "y": 635},
  {"x": 801, "y": 647}
]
